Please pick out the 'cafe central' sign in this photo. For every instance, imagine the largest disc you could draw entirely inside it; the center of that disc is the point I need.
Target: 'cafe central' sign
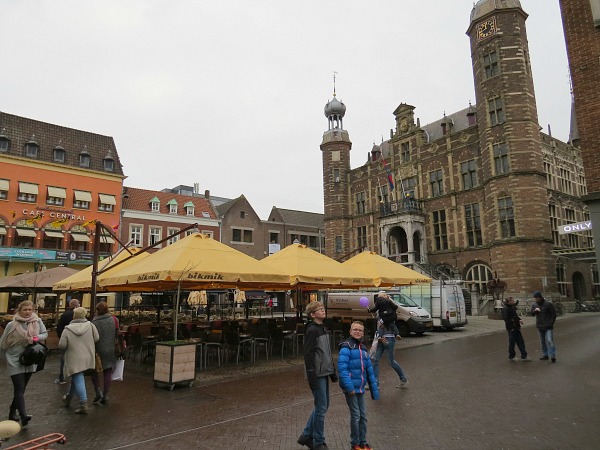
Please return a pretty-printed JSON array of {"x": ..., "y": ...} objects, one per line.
[{"x": 53, "y": 214}]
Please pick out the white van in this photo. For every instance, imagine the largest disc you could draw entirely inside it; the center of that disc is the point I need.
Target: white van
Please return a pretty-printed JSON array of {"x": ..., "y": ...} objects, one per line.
[
  {"x": 444, "y": 299},
  {"x": 411, "y": 317}
]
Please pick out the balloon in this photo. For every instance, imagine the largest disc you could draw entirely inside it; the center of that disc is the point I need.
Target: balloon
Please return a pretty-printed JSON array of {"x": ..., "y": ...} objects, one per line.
[{"x": 364, "y": 302}]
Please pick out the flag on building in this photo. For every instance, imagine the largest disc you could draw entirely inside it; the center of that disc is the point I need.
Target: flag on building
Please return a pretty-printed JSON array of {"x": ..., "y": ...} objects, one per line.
[{"x": 388, "y": 171}]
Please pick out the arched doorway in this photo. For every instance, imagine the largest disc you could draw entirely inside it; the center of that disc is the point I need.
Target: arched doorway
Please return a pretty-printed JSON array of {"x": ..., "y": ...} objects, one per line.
[
  {"x": 417, "y": 247},
  {"x": 579, "y": 286},
  {"x": 398, "y": 244}
]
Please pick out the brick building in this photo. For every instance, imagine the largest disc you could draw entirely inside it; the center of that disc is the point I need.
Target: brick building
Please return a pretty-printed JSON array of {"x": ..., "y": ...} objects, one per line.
[
  {"x": 478, "y": 194},
  {"x": 581, "y": 24},
  {"x": 54, "y": 183},
  {"x": 152, "y": 216}
]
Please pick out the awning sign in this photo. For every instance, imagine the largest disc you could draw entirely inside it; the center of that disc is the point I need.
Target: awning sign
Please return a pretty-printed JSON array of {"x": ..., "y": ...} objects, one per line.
[{"x": 575, "y": 227}]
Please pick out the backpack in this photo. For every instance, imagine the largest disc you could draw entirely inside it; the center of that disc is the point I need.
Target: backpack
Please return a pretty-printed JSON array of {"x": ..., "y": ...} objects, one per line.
[{"x": 387, "y": 312}]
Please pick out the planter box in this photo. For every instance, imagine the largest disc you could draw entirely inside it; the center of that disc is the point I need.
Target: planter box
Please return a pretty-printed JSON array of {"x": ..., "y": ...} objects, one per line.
[{"x": 175, "y": 363}]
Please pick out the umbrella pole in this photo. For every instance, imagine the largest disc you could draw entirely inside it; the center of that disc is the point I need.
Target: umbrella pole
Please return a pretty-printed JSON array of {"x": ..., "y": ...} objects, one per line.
[{"x": 176, "y": 309}]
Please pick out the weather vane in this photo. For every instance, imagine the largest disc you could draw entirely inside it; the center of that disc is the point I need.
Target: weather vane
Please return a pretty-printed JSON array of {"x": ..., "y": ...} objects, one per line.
[{"x": 334, "y": 74}]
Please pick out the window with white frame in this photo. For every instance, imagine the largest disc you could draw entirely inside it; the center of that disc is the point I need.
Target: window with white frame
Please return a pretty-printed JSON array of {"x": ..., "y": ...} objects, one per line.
[
  {"x": 82, "y": 199},
  {"x": 477, "y": 277},
  {"x": 4, "y": 186},
  {"x": 27, "y": 192},
  {"x": 172, "y": 204},
  {"x": 189, "y": 210},
  {"x": 155, "y": 235},
  {"x": 135, "y": 235},
  {"x": 56, "y": 196},
  {"x": 171, "y": 232},
  {"x": 208, "y": 233},
  {"x": 155, "y": 206},
  {"x": 106, "y": 203}
]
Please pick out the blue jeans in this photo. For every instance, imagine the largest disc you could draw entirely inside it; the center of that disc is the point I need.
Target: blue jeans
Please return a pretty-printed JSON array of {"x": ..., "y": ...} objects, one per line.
[
  {"x": 391, "y": 342},
  {"x": 547, "y": 341},
  {"x": 315, "y": 427},
  {"x": 358, "y": 419},
  {"x": 515, "y": 337},
  {"x": 78, "y": 386}
]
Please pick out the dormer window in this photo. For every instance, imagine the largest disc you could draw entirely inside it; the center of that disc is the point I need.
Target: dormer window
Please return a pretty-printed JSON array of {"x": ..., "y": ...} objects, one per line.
[
  {"x": 4, "y": 144},
  {"x": 172, "y": 204},
  {"x": 32, "y": 150},
  {"x": 58, "y": 154},
  {"x": 108, "y": 162},
  {"x": 85, "y": 160},
  {"x": 155, "y": 205},
  {"x": 189, "y": 208}
]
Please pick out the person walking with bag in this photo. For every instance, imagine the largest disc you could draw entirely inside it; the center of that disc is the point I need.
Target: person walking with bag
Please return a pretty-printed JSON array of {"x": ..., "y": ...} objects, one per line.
[
  {"x": 25, "y": 328},
  {"x": 78, "y": 341},
  {"x": 355, "y": 371},
  {"x": 319, "y": 367},
  {"x": 65, "y": 319},
  {"x": 108, "y": 328},
  {"x": 387, "y": 332}
]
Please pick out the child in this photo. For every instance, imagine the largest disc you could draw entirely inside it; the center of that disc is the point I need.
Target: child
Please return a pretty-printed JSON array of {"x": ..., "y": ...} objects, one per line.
[{"x": 355, "y": 370}]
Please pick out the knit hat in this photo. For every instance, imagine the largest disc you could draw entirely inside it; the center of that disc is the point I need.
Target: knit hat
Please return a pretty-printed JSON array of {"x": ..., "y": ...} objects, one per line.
[{"x": 538, "y": 294}]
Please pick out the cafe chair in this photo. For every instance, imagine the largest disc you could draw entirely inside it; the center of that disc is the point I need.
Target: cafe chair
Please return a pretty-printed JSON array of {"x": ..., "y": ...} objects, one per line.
[
  {"x": 214, "y": 345},
  {"x": 240, "y": 345},
  {"x": 262, "y": 339}
]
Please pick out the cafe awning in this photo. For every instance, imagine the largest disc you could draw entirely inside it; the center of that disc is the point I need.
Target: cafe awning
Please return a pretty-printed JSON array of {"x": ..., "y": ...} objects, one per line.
[
  {"x": 28, "y": 188},
  {"x": 57, "y": 192},
  {"x": 54, "y": 234},
  {"x": 82, "y": 196},
  {"x": 27, "y": 232},
  {"x": 79, "y": 237}
]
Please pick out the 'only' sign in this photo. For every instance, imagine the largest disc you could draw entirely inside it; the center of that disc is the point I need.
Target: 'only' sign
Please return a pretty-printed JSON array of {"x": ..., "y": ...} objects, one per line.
[{"x": 574, "y": 227}]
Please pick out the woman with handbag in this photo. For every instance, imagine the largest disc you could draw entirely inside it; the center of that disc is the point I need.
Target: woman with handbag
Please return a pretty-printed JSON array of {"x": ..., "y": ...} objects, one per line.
[
  {"x": 78, "y": 341},
  {"x": 26, "y": 328},
  {"x": 108, "y": 328}
]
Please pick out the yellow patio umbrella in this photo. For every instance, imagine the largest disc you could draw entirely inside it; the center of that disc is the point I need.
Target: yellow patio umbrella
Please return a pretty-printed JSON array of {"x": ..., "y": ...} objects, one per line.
[
  {"x": 193, "y": 263},
  {"x": 311, "y": 269},
  {"x": 82, "y": 280},
  {"x": 384, "y": 272}
]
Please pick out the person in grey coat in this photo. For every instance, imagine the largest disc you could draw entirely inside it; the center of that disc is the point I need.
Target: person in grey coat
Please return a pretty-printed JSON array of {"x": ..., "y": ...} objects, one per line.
[
  {"x": 107, "y": 326},
  {"x": 25, "y": 328},
  {"x": 78, "y": 341}
]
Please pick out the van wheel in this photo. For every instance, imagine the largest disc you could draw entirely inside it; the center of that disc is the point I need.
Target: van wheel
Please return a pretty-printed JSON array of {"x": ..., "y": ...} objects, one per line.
[{"x": 403, "y": 329}]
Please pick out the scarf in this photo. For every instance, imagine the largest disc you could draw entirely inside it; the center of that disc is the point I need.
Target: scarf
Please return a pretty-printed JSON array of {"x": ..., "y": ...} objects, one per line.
[{"x": 19, "y": 335}]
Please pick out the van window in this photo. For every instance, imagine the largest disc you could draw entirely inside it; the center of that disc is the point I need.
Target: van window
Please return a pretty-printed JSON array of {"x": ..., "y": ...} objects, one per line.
[{"x": 403, "y": 300}]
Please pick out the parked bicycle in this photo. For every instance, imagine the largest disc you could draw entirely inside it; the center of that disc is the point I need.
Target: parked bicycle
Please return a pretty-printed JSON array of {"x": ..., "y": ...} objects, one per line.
[{"x": 558, "y": 307}]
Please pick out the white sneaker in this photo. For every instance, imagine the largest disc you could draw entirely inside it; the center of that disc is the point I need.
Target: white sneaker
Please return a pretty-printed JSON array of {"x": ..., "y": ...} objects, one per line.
[{"x": 528, "y": 359}]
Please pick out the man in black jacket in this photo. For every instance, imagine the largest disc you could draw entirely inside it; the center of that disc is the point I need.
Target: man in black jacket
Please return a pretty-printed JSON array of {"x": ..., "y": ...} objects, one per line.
[
  {"x": 319, "y": 366},
  {"x": 513, "y": 326},
  {"x": 545, "y": 316},
  {"x": 65, "y": 319}
]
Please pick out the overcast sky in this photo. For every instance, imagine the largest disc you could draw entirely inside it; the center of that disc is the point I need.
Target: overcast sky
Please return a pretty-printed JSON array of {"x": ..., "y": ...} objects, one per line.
[{"x": 230, "y": 93}]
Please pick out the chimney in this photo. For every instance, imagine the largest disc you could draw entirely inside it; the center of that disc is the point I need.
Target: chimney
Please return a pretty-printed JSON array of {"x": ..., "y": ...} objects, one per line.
[{"x": 207, "y": 194}]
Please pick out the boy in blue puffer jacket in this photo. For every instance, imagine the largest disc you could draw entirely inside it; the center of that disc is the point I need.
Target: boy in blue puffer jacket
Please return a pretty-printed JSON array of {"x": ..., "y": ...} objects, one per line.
[{"x": 355, "y": 371}]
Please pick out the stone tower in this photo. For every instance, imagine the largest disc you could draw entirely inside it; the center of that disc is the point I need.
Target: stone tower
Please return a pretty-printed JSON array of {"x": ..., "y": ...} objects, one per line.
[
  {"x": 514, "y": 203},
  {"x": 335, "y": 148}
]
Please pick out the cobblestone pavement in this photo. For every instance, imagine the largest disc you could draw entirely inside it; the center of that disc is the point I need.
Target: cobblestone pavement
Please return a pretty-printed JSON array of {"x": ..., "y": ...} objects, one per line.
[{"x": 463, "y": 393}]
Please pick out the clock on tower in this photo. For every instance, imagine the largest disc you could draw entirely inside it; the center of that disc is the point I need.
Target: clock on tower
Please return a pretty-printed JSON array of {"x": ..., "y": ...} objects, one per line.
[{"x": 486, "y": 28}]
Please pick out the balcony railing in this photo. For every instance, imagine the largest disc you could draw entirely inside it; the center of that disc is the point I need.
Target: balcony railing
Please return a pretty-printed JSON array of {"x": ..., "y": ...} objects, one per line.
[{"x": 407, "y": 205}]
